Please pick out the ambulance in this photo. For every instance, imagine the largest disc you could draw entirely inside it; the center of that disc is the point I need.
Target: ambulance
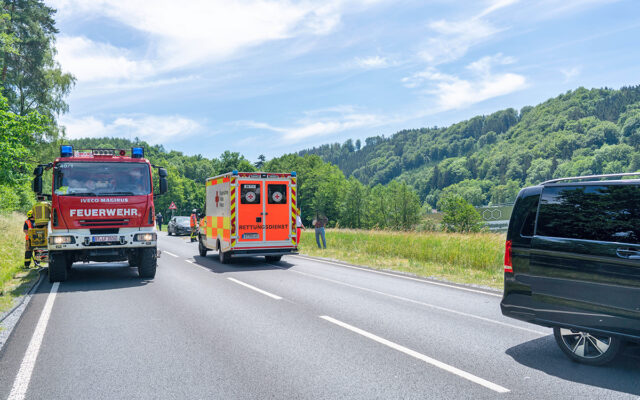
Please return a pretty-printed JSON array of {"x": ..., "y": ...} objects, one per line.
[{"x": 249, "y": 214}]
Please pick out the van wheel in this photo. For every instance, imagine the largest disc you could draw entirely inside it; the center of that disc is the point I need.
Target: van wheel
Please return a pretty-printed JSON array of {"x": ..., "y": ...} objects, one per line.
[
  {"x": 57, "y": 267},
  {"x": 147, "y": 263},
  {"x": 586, "y": 348},
  {"x": 224, "y": 257},
  {"x": 201, "y": 248},
  {"x": 272, "y": 258}
]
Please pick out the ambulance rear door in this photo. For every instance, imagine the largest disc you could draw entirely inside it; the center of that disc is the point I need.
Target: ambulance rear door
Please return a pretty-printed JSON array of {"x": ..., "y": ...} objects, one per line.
[
  {"x": 277, "y": 211},
  {"x": 250, "y": 211}
]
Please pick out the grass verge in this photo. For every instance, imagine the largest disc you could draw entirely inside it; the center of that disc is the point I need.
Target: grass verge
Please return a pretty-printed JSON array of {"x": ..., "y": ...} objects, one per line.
[
  {"x": 13, "y": 279},
  {"x": 462, "y": 258}
]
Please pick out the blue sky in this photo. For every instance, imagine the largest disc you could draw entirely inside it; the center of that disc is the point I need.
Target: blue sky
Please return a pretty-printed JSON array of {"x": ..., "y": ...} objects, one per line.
[{"x": 272, "y": 77}]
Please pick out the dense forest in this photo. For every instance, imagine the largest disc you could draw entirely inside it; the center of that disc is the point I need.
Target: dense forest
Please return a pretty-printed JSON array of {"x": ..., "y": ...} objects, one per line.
[{"x": 487, "y": 159}]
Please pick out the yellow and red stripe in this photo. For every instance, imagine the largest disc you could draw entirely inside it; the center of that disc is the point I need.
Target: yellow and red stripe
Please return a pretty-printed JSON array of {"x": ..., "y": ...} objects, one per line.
[{"x": 233, "y": 211}]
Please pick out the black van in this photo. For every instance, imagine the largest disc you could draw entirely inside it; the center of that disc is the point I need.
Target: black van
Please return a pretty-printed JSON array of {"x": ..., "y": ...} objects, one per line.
[{"x": 572, "y": 263}]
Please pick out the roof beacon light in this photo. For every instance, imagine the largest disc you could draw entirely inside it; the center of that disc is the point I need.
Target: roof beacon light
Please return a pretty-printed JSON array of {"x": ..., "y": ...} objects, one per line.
[
  {"x": 66, "y": 151},
  {"x": 137, "y": 152},
  {"x": 293, "y": 173},
  {"x": 234, "y": 172}
]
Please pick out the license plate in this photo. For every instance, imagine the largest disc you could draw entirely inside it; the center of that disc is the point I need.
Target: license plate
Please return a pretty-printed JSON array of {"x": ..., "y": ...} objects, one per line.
[
  {"x": 251, "y": 236},
  {"x": 101, "y": 239}
]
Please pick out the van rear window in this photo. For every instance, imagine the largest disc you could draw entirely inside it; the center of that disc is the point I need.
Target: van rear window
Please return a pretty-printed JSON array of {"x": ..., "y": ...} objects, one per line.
[
  {"x": 250, "y": 193},
  {"x": 608, "y": 213}
]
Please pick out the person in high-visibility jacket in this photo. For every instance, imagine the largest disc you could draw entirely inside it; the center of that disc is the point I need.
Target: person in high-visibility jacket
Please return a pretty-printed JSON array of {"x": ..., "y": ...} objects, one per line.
[
  {"x": 28, "y": 224},
  {"x": 193, "y": 222}
]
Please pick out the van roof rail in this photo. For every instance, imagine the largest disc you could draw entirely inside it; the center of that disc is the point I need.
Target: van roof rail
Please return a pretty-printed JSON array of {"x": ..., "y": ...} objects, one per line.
[{"x": 575, "y": 178}]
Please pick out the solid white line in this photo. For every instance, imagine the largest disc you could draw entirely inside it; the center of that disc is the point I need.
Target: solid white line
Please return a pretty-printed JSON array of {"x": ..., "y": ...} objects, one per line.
[
  {"x": 273, "y": 296},
  {"x": 400, "y": 276},
  {"x": 464, "y": 314},
  {"x": 171, "y": 254},
  {"x": 197, "y": 265},
  {"x": 21, "y": 382},
  {"x": 419, "y": 356}
]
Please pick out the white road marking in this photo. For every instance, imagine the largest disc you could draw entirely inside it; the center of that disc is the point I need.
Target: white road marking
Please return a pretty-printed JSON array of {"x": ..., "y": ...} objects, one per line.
[
  {"x": 197, "y": 265},
  {"x": 171, "y": 254},
  {"x": 21, "y": 382},
  {"x": 419, "y": 356},
  {"x": 493, "y": 321},
  {"x": 273, "y": 296},
  {"x": 401, "y": 276}
]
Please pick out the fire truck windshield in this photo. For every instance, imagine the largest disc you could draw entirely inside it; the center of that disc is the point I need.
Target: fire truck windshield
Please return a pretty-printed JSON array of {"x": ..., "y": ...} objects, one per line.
[{"x": 101, "y": 179}]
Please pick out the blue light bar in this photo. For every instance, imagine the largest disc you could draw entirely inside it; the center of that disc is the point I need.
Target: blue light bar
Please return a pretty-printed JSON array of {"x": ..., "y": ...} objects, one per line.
[
  {"x": 137, "y": 152},
  {"x": 66, "y": 151},
  {"x": 234, "y": 172},
  {"x": 293, "y": 173}
]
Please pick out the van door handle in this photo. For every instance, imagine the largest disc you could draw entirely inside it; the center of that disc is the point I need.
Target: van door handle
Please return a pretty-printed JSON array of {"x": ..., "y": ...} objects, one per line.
[{"x": 628, "y": 253}]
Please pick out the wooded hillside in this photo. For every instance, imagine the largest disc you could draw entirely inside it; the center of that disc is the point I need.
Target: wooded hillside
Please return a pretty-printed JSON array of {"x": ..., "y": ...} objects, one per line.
[{"x": 489, "y": 158}]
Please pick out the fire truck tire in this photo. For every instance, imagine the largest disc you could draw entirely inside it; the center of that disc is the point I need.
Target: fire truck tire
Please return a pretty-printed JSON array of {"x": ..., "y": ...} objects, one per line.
[
  {"x": 69, "y": 261},
  {"x": 272, "y": 258},
  {"x": 57, "y": 267},
  {"x": 201, "y": 248},
  {"x": 225, "y": 257},
  {"x": 147, "y": 263}
]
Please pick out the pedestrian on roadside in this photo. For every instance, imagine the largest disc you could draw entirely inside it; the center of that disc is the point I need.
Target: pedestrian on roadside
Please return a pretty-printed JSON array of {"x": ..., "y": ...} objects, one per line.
[
  {"x": 319, "y": 223},
  {"x": 28, "y": 253},
  {"x": 159, "y": 219},
  {"x": 299, "y": 226}
]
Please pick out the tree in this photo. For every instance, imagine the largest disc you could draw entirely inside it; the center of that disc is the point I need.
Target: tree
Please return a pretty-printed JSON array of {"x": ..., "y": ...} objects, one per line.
[
  {"x": 260, "y": 163},
  {"x": 358, "y": 144},
  {"x": 459, "y": 215},
  {"x": 31, "y": 79}
]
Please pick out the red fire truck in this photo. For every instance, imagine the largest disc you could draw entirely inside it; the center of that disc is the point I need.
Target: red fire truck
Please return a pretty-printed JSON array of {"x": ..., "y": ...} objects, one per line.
[
  {"x": 249, "y": 214},
  {"x": 101, "y": 209}
]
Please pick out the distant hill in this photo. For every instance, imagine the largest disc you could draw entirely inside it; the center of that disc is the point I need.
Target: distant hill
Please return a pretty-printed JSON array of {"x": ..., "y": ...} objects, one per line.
[{"x": 488, "y": 158}]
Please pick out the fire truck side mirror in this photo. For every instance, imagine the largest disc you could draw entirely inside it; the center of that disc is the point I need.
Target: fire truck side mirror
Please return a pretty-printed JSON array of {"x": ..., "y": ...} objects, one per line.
[
  {"x": 162, "y": 173},
  {"x": 37, "y": 171},
  {"x": 36, "y": 185}
]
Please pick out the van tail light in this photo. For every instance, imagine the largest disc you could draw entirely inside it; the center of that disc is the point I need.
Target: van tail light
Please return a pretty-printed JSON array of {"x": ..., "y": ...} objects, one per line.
[{"x": 508, "y": 265}]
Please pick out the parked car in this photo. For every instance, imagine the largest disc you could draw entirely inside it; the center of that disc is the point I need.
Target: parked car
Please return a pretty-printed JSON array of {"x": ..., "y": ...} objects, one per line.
[
  {"x": 572, "y": 263},
  {"x": 179, "y": 226}
]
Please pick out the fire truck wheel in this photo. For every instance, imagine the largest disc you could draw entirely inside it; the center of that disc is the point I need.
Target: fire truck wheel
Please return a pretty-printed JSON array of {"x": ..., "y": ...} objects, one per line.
[
  {"x": 202, "y": 249},
  {"x": 147, "y": 263},
  {"x": 272, "y": 258},
  {"x": 69, "y": 262},
  {"x": 133, "y": 259},
  {"x": 57, "y": 267},
  {"x": 225, "y": 257}
]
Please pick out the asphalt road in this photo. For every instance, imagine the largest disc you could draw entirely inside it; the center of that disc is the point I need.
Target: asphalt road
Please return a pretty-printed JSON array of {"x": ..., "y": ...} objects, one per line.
[{"x": 297, "y": 329}]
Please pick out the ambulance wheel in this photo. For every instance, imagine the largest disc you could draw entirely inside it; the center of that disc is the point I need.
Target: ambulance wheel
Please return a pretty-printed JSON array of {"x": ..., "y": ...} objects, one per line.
[
  {"x": 147, "y": 263},
  {"x": 57, "y": 267},
  {"x": 202, "y": 249},
  {"x": 225, "y": 257},
  {"x": 272, "y": 258}
]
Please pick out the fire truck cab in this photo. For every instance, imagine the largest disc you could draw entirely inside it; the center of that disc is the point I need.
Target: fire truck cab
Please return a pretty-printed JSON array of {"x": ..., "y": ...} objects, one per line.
[{"x": 102, "y": 209}]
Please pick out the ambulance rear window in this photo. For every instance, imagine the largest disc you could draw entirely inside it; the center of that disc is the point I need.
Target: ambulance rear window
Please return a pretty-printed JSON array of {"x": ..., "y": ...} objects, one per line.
[
  {"x": 250, "y": 193},
  {"x": 277, "y": 194}
]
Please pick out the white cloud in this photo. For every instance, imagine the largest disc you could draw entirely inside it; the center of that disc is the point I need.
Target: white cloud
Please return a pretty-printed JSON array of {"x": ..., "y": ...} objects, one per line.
[
  {"x": 92, "y": 61},
  {"x": 372, "y": 62},
  {"x": 453, "y": 92},
  {"x": 454, "y": 38},
  {"x": 153, "y": 129},
  {"x": 570, "y": 73},
  {"x": 336, "y": 120},
  {"x": 191, "y": 32}
]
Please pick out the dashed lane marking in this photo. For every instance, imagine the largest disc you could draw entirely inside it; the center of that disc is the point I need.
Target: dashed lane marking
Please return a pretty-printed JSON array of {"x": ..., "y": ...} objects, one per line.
[
  {"x": 171, "y": 254},
  {"x": 433, "y": 306},
  {"x": 439, "y": 364},
  {"x": 264, "y": 292}
]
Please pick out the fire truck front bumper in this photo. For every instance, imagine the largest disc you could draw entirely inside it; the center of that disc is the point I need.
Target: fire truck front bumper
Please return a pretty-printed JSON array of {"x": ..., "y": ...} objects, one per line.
[{"x": 84, "y": 239}]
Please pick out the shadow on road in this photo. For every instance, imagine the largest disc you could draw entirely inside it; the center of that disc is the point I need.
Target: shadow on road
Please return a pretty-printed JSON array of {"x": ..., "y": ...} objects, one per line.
[
  {"x": 622, "y": 375},
  {"x": 102, "y": 276},
  {"x": 240, "y": 264}
]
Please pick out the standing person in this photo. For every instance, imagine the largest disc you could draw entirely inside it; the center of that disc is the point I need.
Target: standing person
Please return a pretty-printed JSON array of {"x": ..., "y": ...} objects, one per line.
[
  {"x": 159, "y": 220},
  {"x": 319, "y": 223},
  {"x": 299, "y": 226},
  {"x": 28, "y": 224},
  {"x": 193, "y": 222}
]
